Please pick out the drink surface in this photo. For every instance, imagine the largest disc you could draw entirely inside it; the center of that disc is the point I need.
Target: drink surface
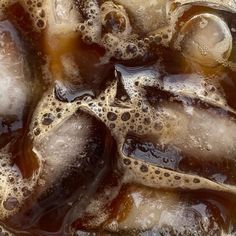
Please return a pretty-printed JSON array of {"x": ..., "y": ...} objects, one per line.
[{"x": 117, "y": 117}]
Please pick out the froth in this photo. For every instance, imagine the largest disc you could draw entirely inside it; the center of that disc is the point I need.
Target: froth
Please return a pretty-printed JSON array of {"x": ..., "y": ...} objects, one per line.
[
  {"x": 91, "y": 28},
  {"x": 14, "y": 188},
  {"x": 191, "y": 129},
  {"x": 50, "y": 112},
  {"x": 35, "y": 9}
]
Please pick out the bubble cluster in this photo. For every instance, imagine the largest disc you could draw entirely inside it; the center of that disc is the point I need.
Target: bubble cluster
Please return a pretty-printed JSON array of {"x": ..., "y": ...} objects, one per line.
[
  {"x": 91, "y": 27},
  {"x": 35, "y": 9},
  {"x": 167, "y": 124},
  {"x": 49, "y": 113},
  {"x": 14, "y": 188},
  {"x": 124, "y": 48},
  {"x": 108, "y": 25},
  {"x": 115, "y": 19}
]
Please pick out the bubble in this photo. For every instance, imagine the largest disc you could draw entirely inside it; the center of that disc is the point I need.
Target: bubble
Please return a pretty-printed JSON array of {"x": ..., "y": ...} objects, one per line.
[
  {"x": 111, "y": 116},
  {"x": 115, "y": 19},
  {"x": 144, "y": 168},
  {"x": 125, "y": 116},
  {"x": 206, "y": 39},
  {"x": 37, "y": 131},
  {"x": 11, "y": 203},
  {"x": 114, "y": 22},
  {"x": 167, "y": 175},
  {"x": 127, "y": 161},
  {"x": 196, "y": 181},
  {"x": 47, "y": 119},
  {"x": 177, "y": 177}
]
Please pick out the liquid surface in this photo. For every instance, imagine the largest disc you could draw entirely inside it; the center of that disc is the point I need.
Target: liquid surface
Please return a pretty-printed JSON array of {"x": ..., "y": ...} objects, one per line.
[{"x": 117, "y": 117}]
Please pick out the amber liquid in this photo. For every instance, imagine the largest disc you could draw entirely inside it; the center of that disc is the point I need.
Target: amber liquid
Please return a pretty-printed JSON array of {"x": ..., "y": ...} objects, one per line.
[{"x": 48, "y": 215}]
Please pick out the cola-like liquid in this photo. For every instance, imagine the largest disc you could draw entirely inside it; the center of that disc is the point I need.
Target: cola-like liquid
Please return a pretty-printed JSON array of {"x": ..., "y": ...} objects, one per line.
[{"x": 89, "y": 194}]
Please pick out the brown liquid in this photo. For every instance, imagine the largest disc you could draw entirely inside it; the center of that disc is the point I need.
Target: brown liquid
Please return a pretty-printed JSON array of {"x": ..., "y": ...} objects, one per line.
[{"x": 49, "y": 214}]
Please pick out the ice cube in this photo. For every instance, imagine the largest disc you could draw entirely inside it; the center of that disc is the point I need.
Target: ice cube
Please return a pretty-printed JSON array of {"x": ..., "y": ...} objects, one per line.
[
  {"x": 60, "y": 36},
  {"x": 204, "y": 133},
  {"x": 148, "y": 16},
  {"x": 72, "y": 148},
  {"x": 137, "y": 208},
  {"x": 14, "y": 73},
  {"x": 63, "y": 16},
  {"x": 64, "y": 148}
]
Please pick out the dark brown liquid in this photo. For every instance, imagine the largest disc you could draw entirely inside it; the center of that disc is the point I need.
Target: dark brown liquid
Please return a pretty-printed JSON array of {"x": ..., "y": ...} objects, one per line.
[{"x": 49, "y": 214}]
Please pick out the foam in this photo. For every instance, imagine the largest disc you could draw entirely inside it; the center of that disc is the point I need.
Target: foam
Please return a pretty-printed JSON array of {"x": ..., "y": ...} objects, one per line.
[
  {"x": 35, "y": 9},
  {"x": 154, "y": 20},
  {"x": 15, "y": 190},
  {"x": 125, "y": 49},
  {"x": 65, "y": 13},
  {"x": 117, "y": 39},
  {"x": 129, "y": 29},
  {"x": 139, "y": 26},
  {"x": 111, "y": 13},
  {"x": 49, "y": 113},
  {"x": 91, "y": 28},
  {"x": 192, "y": 131}
]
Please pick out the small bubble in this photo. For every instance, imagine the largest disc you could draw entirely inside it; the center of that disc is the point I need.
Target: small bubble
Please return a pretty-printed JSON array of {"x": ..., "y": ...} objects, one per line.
[
  {"x": 165, "y": 160},
  {"x": 166, "y": 174},
  {"x": 177, "y": 177},
  {"x": 125, "y": 116},
  {"x": 47, "y": 119},
  {"x": 111, "y": 116},
  {"x": 11, "y": 179},
  {"x": 37, "y": 132},
  {"x": 42, "y": 13},
  {"x": 11, "y": 203},
  {"x": 132, "y": 49},
  {"x": 26, "y": 192},
  {"x": 112, "y": 126},
  {"x": 115, "y": 22},
  {"x": 127, "y": 161},
  {"x": 144, "y": 168},
  {"x": 196, "y": 181},
  {"x": 40, "y": 23},
  {"x": 147, "y": 121}
]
